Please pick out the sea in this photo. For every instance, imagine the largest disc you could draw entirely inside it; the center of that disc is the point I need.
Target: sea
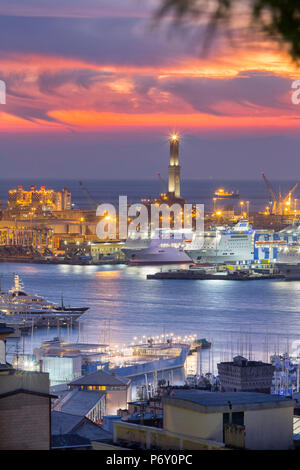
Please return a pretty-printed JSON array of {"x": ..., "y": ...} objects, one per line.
[
  {"x": 194, "y": 191},
  {"x": 255, "y": 319}
]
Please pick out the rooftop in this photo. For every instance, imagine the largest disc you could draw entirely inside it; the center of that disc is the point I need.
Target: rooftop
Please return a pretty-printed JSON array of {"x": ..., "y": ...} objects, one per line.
[
  {"x": 100, "y": 378},
  {"x": 66, "y": 423},
  {"x": 241, "y": 361},
  {"x": 69, "y": 441},
  {"x": 78, "y": 402},
  {"x": 210, "y": 402}
]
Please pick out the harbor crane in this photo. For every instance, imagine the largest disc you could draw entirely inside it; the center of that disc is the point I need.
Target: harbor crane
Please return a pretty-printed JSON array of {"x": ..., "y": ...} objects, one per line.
[
  {"x": 279, "y": 205},
  {"x": 273, "y": 199},
  {"x": 162, "y": 183},
  {"x": 92, "y": 203}
]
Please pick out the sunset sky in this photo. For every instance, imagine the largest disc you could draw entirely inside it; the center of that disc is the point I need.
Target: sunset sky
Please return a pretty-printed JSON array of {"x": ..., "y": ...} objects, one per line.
[{"x": 93, "y": 91}]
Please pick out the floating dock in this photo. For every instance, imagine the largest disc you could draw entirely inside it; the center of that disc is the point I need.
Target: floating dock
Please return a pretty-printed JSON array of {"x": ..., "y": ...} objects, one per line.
[{"x": 188, "y": 274}]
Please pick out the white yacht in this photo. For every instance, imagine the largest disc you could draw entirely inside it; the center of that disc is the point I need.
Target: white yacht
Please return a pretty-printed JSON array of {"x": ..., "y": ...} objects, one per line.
[
  {"x": 223, "y": 245},
  {"x": 19, "y": 307},
  {"x": 165, "y": 247}
]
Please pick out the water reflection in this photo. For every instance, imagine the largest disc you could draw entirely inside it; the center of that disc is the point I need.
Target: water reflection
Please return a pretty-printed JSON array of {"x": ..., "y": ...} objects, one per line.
[{"x": 236, "y": 316}]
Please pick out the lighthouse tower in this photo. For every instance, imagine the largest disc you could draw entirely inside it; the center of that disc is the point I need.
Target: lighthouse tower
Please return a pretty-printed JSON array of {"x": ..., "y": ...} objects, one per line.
[{"x": 174, "y": 167}]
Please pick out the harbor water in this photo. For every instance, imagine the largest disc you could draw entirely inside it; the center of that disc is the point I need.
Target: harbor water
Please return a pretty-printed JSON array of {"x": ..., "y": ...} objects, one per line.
[{"x": 256, "y": 318}]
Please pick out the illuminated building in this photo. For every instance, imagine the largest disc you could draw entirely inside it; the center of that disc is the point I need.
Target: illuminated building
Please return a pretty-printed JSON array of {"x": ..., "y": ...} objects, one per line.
[{"x": 38, "y": 200}]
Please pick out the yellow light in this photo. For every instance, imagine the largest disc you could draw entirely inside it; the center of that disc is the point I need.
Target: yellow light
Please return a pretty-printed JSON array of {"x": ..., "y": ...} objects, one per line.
[
  {"x": 108, "y": 217},
  {"x": 219, "y": 213},
  {"x": 174, "y": 137}
]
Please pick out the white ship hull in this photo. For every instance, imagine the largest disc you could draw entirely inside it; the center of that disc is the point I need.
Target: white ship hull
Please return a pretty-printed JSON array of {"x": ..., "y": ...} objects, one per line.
[
  {"x": 223, "y": 246},
  {"x": 155, "y": 251},
  {"x": 156, "y": 255}
]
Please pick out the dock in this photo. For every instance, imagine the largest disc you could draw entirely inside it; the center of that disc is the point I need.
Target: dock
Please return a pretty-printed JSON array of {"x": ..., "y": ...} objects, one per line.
[{"x": 190, "y": 274}]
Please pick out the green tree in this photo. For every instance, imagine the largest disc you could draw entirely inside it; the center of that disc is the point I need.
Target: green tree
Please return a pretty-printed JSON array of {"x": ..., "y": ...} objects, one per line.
[{"x": 276, "y": 19}]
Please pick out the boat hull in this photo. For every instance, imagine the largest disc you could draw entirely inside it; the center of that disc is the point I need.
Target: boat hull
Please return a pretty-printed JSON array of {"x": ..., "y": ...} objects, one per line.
[
  {"x": 156, "y": 254},
  {"x": 291, "y": 272}
]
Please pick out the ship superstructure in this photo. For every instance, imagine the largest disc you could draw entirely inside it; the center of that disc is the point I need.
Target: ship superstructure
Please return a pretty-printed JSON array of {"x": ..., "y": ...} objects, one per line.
[{"x": 223, "y": 244}]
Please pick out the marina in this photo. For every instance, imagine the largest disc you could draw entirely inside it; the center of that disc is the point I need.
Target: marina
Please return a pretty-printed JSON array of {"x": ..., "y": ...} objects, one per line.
[{"x": 222, "y": 312}]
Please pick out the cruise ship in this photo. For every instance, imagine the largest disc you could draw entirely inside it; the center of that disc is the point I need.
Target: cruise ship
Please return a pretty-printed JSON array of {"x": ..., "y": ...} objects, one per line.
[
  {"x": 223, "y": 245},
  {"x": 164, "y": 247}
]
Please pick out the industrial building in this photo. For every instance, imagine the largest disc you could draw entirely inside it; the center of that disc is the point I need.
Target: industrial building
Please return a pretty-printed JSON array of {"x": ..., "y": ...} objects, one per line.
[{"x": 38, "y": 200}]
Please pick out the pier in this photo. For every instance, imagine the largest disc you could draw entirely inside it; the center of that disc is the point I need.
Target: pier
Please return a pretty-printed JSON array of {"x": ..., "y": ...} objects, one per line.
[{"x": 190, "y": 274}]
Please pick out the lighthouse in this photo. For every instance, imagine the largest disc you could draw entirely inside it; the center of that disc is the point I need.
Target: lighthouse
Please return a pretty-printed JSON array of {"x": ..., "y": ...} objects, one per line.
[{"x": 174, "y": 167}]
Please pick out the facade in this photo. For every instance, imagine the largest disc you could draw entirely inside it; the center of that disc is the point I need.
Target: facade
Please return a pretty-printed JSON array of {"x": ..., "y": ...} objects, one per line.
[
  {"x": 25, "y": 406},
  {"x": 242, "y": 375},
  {"x": 129, "y": 435}
]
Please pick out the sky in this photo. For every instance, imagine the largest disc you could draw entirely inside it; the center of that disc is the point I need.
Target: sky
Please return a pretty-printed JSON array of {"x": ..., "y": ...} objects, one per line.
[{"x": 94, "y": 88}]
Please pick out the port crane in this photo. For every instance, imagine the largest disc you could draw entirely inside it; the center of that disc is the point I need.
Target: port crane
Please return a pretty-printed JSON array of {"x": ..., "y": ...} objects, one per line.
[
  {"x": 162, "y": 183},
  {"x": 165, "y": 191},
  {"x": 273, "y": 197},
  {"x": 280, "y": 205},
  {"x": 90, "y": 200}
]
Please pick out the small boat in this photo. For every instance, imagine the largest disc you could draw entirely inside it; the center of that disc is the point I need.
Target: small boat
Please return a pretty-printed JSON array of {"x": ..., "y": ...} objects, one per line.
[
  {"x": 221, "y": 193},
  {"x": 201, "y": 344}
]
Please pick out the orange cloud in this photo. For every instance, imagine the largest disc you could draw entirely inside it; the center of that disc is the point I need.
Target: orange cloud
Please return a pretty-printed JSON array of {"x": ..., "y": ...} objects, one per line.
[
  {"x": 115, "y": 102},
  {"x": 109, "y": 121}
]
